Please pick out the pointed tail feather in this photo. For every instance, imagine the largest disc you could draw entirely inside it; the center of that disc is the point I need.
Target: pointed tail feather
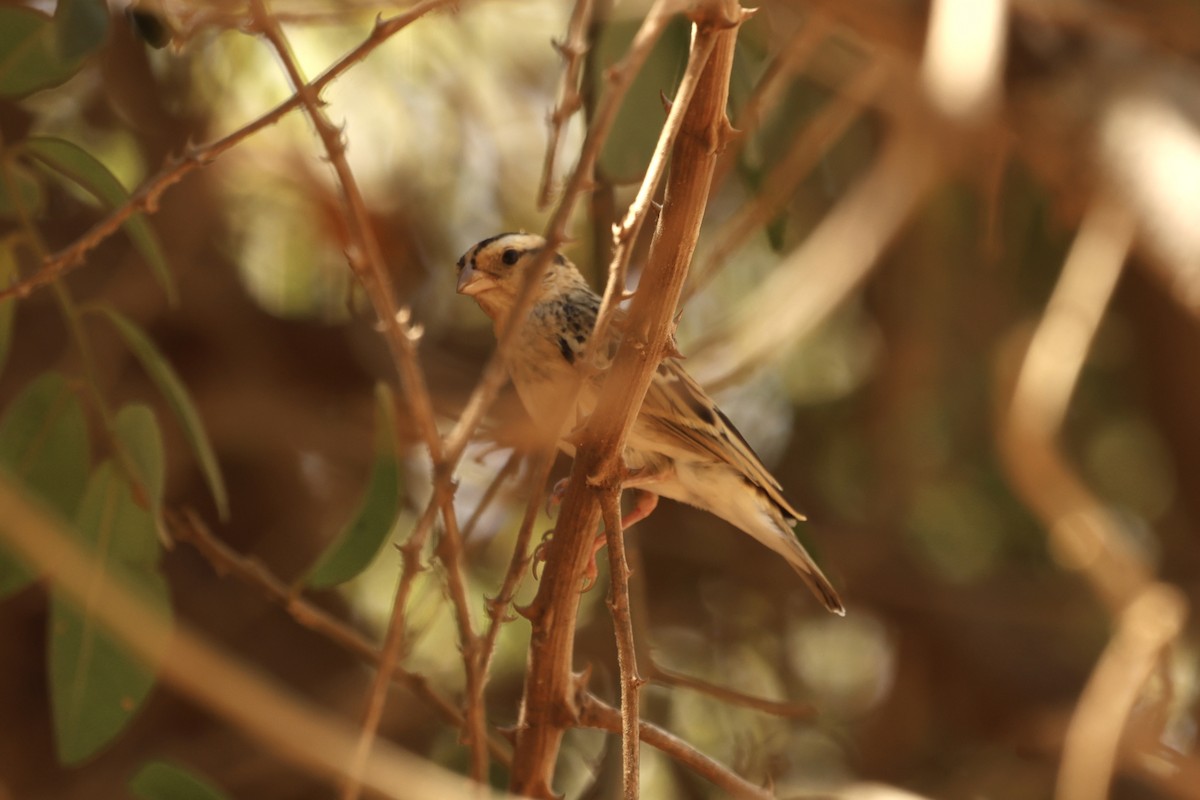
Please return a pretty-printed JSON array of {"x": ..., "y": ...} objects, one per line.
[{"x": 784, "y": 542}]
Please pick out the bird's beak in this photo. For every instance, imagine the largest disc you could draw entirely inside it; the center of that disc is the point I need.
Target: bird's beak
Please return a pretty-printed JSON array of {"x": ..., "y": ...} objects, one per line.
[{"x": 471, "y": 281}]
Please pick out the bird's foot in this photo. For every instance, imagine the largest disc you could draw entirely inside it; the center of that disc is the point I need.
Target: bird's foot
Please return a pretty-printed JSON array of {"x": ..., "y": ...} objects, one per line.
[
  {"x": 539, "y": 552},
  {"x": 590, "y": 573}
]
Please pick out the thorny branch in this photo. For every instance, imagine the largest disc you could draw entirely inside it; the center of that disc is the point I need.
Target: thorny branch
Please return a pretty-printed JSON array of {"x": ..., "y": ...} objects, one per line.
[
  {"x": 626, "y": 233},
  {"x": 573, "y": 49},
  {"x": 188, "y": 527},
  {"x": 550, "y": 686},
  {"x": 618, "y": 603},
  {"x": 366, "y": 259},
  {"x": 595, "y": 713},
  {"x": 147, "y": 196}
]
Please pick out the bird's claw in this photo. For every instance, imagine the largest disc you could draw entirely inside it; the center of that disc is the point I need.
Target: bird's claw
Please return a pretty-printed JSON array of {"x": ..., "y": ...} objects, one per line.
[
  {"x": 555, "y": 497},
  {"x": 590, "y": 574},
  {"x": 539, "y": 553}
]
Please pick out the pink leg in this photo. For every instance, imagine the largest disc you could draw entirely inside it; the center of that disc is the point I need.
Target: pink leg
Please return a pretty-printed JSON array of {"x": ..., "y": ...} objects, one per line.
[{"x": 646, "y": 503}]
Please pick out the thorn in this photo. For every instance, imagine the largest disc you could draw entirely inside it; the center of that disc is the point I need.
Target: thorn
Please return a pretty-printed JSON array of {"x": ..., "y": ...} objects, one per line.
[{"x": 666, "y": 101}]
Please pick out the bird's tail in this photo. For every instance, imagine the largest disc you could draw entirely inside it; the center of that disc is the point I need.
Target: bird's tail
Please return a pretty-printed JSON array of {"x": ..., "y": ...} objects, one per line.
[{"x": 780, "y": 538}]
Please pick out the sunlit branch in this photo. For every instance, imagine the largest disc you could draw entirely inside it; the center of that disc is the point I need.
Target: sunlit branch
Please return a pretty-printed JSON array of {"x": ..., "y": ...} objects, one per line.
[
  {"x": 147, "y": 196},
  {"x": 618, "y": 603},
  {"x": 595, "y": 713},
  {"x": 188, "y": 527},
  {"x": 572, "y": 49}
]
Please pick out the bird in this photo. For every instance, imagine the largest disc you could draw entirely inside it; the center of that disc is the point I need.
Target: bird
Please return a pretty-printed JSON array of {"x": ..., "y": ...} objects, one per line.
[{"x": 681, "y": 446}]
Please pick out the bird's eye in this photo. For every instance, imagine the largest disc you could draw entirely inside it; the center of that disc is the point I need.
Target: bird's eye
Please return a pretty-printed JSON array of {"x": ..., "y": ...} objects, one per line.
[{"x": 510, "y": 256}]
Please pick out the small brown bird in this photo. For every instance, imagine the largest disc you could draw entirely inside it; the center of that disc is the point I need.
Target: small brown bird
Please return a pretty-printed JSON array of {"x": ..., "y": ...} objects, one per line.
[{"x": 681, "y": 445}]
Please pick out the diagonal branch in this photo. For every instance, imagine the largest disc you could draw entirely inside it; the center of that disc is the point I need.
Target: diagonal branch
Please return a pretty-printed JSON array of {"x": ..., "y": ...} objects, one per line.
[
  {"x": 147, "y": 196},
  {"x": 189, "y": 527},
  {"x": 595, "y": 713}
]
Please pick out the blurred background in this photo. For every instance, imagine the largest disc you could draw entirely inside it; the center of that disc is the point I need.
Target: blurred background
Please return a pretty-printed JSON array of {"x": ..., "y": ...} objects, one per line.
[{"x": 970, "y": 635}]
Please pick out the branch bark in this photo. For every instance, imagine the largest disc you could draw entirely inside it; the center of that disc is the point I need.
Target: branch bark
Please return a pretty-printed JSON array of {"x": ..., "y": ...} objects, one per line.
[{"x": 550, "y": 688}]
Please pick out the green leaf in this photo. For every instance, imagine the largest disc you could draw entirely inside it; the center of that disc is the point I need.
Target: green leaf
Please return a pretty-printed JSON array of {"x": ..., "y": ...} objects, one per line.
[
  {"x": 8, "y": 306},
  {"x": 176, "y": 394},
  {"x": 29, "y": 54},
  {"x": 356, "y": 546},
  {"x": 64, "y": 160},
  {"x": 19, "y": 185},
  {"x": 137, "y": 430},
  {"x": 80, "y": 27},
  {"x": 161, "y": 780},
  {"x": 96, "y": 686},
  {"x": 44, "y": 442}
]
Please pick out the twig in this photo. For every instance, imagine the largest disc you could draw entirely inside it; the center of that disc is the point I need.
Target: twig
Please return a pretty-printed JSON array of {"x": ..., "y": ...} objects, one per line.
[
  {"x": 656, "y": 673},
  {"x": 595, "y": 713},
  {"x": 626, "y": 233},
  {"x": 498, "y": 606},
  {"x": 146, "y": 197},
  {"x": 187, "y": 526},
  {"x": 572, "y": 49},
  {"x": 366, "y": 259},
  {"x": 618, "y": 604},
  {"x": 770, "y": 87},
  {"x": 550, "y": 686}
]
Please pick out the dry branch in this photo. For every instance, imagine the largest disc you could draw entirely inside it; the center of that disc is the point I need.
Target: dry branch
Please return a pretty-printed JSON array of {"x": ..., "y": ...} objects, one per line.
[
  {"x": 550, "y": 686},
  {"x": 146, "y": 197},
  {"x": 595, "y": 713}
]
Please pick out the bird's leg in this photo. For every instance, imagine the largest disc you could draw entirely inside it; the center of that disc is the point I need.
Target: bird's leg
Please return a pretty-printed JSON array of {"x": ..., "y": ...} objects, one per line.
[{"x": 644, "y": 505}]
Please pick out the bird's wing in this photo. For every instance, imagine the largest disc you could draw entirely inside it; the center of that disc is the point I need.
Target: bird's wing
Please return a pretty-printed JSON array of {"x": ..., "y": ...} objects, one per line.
[{"x": 679, "y": 412}]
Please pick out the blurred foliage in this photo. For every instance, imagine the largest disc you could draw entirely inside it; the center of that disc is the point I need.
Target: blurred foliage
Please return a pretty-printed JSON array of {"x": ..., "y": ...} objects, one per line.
[{"x": 252, "y": 400}]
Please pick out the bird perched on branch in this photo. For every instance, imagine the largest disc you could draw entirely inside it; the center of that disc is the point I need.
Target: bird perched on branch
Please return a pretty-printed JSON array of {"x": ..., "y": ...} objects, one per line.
[{"x": 681, "y": 446}]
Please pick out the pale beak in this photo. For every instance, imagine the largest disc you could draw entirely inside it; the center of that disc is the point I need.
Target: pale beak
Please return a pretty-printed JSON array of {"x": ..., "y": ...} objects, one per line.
[{"x": 471, "y": 281}]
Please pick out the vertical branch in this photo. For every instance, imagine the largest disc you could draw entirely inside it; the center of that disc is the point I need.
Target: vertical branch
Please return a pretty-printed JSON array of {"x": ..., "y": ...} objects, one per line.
[
  {"x": 618, "y": 603},
  {"x": 366, "y": 259},
  {"x": 550, "y": 689}
]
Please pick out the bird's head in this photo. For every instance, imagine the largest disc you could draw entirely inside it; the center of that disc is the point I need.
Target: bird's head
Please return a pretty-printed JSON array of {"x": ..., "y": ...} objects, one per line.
[{"x": 492, "y": 270}]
